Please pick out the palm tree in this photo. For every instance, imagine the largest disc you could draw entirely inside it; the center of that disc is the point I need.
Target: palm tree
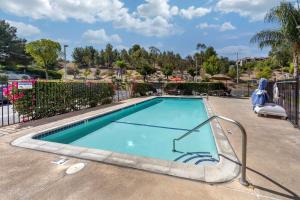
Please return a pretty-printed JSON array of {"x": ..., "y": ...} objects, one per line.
[
  {"x": 288, "y": 17},
  {"x": 154, "y": 52},
  {"x": 201, "y": 47},
  {"x": 121, "y": 64},
  {"x": 86, "y": 73}
]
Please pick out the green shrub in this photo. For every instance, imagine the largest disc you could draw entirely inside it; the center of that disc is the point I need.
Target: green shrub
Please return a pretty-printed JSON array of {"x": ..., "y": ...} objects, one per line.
[
  {"x": 49, "y": 98},
  {"x": 265, "y": 72},
  {"x": 106, "y": 101},
  {"x": 141, "y": 89},
  {"x": 33, "y": 71},
  {"x": 189, "y": 88},
  {"x": 3, "y": 79}
]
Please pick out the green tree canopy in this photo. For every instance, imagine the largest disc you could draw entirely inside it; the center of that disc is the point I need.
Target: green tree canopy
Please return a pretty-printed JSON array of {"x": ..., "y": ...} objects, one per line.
[
  {"x": 87, "y": 72},
  {"x": 191, "y": 72},
  {"x": 281, "y": 55},
  {"x": 265, "y": 72},
  {"x": 73, "y": 70},
  {"x": 287, "y": 17},
  {"x": 44, "y": 52},
  {"x": 154, "y": 53},
  {"x": 86, "y": 57},
  {"x": 232, "y": 71},
  {"x": 12, "y": 48},
  {"x": 109, "y": 55},
  {"x": 209, "y": 52},
  {"x": 145, "y": 69},
  {"x": 97, "y": 73},
  {"x": 212, "y": 65},
  {"x": 167, "y": 70},
  {"x": 122, "y": 65}
]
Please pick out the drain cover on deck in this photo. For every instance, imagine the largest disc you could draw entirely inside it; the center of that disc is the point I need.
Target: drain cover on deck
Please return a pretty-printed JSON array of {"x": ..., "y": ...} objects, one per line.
[
  {"x": 60, "y": 161},
  {"x": 75, "y": 168}
]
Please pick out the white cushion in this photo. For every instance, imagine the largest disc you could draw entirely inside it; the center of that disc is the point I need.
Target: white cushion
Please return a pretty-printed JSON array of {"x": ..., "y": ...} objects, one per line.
[{"x": 270, "y": 109}]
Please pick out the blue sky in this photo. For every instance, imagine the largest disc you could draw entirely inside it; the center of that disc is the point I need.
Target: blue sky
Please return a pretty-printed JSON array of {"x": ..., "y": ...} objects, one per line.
[{"x": 176, "y": 25}]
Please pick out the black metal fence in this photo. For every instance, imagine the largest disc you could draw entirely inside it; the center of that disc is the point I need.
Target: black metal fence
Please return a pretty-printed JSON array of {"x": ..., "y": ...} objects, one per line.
[
  {"x": 288, "y": 98},
  {"x": 122, "y": 91},
  {"x": 8, "y": 113},
  {"x": 49, "y": 98}
]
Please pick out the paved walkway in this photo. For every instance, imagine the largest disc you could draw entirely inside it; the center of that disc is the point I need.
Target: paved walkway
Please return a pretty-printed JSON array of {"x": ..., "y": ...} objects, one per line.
[
  {"x": 273, "y": 149},
  {"x": 273, "y": 161}
]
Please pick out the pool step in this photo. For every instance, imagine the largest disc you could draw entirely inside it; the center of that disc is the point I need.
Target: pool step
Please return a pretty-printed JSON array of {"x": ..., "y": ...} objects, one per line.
[{"x": 196, "y": 157}]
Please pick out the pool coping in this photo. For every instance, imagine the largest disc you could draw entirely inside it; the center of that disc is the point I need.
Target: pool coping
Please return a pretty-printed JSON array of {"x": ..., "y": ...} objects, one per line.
[{"x": 225, "y": 170}]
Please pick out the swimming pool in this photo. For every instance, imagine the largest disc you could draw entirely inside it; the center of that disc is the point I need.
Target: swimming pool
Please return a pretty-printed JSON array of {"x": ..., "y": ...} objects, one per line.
[
  {"x": 147, "y": 129},
  {"x": 140, "y": 141}
]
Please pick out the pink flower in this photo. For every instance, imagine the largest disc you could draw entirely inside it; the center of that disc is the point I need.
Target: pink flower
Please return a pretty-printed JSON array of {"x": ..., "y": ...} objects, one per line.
[
  {"x": 5, "y": 92},
  {"x": 15, "y": 84}
]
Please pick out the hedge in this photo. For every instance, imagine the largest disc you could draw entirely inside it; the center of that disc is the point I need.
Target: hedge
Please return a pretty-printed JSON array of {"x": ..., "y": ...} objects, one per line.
[
  {"x": 33, "y": 71},
  {"x": 142, "y": 89},
  {"x": 189, "y": 88},
  {"x": 50, "y": 98}
]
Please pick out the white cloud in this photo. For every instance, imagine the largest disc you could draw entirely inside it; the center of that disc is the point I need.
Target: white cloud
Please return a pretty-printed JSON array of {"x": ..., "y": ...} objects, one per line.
[
  {"x": 223, "y": 27},
  {"x": 162, "y": 8},
  {"x": 227, "y": 26},
  {"x": 154, "y": 8},
  {"x": 205, "y": 25},
  {"x": 83, "y": 10},
  {"x": 232, "y": 50},
  {"x": 243, "y": 50},
  {"x": 100, "y": 37},
  {"x": 192, "y": 12},
  {"x": 238, "y": 36},
  {"x": 121, "y": 47},
  {"x": 23, "y": 29},
  {"x": 91, "y": 11},
  {"x": 152, "y": 18},
  {"x": 254, "y": 9},
  {"x": 62, "y": 40}
]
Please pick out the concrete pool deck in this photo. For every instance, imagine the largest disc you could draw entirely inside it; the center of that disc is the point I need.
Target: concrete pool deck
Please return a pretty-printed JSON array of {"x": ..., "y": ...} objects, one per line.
[
  {"x": 273, "y": 166},
  {"x": 224, "y": 170}
]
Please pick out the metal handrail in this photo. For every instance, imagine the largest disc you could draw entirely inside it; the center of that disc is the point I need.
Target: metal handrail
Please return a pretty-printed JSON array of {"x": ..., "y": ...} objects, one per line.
[
  {"x": 243, "y": 179},
  {"x": 204, "y": 94}
]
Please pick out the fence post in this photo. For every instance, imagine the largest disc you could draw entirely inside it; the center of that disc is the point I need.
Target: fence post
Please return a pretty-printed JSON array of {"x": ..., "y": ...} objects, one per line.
[
  {"x": 118, "y": 90},
  {"x": 297, "y": 102}
]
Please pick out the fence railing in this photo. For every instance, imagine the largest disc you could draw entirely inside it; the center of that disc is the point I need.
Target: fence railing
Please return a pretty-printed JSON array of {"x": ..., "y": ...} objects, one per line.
[
  {"x": 41, "y": 99},
  {"x": 8, "y": 113},
  {"x": 122, "y": 91},
  {"x": 288, "y": 98},
  {"x": 22, "y": 102}
]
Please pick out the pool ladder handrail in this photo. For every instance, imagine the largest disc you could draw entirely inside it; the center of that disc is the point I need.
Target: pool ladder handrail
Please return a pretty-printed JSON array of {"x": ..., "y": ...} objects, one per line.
[
  {"x": 204, "y": 94},
  {"x": 243, "y": 179}
]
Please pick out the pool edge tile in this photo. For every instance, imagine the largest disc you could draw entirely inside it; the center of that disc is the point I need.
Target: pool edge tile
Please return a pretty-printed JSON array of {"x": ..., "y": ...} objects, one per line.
[{"x": 202, "y": 173}]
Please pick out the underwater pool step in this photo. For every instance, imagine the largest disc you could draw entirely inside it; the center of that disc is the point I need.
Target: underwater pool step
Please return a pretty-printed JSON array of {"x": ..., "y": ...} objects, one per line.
[
  {"x": 196, "y": 157},
  {"x": 201, "y": 154},
  {"x": 205, "y": 160}
]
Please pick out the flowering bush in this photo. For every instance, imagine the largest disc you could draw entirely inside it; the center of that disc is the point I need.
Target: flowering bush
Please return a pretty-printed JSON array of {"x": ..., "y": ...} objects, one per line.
[
  {"x": 49, "y": 98},
  {"x": 23, "y": 100}
]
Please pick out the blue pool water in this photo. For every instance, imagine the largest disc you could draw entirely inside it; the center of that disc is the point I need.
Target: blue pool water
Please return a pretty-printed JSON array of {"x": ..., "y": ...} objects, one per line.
[{"x": 147, "y": 129}]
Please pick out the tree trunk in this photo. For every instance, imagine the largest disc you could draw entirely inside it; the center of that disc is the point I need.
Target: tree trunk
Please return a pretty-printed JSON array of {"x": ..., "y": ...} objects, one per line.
[
  {"x": 296, "y": 75},
  {"x": 46, "y": 72},
  {"x": 296, "y": 63}
]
